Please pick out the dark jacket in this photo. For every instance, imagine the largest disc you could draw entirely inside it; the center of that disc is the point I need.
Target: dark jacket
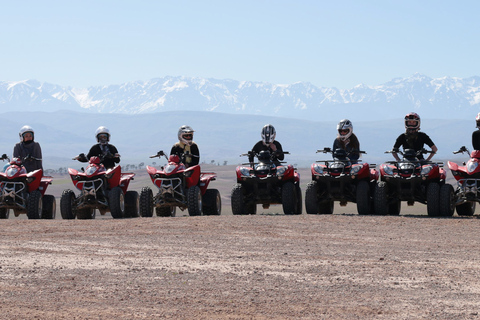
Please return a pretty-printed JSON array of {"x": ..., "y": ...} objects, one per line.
[
  {"x": 351, "y": 146},
  {"x": 414, "y": 141},
  {"x": 260, "y": 146},
  {"x": 476, "y": 140},
  {"x": 106, "y": 155},
  {"x": 32, "y": 149},
  {"x": 180, "y": 149}
]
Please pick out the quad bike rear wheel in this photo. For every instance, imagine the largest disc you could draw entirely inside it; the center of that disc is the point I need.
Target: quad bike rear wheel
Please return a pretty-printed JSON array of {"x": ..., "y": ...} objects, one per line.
[
  {"x": 117, "y": 203},
  {"x": 311, "y": 201},
  {"x": 289, "y": 198},
  {"x": 466, "y": 209},
  {"x": 169, "y": 211},
  {"x": 34, "y": 205},
  {"x": 194, "y": 201},
  {"x": 433, "y": 199},
  {"x": 66, "y": 205},
  {"x": 49, "y": 207},
  {"x": 86, "y": 214},
  {"x": 4, "y": 213},
  {"x": 364, "y": 198},
  {"x": 146, "y": 202},
  {"x": 132, "y": 204},
  {"x": 239, "y": 206},
  {"x": 212, "y": 203},
  {"x": 447, "y": 200}
]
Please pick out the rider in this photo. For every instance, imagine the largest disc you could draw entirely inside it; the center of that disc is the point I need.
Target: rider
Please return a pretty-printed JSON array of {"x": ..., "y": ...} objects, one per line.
[
  {"x": 413, "y": 138},
  {"x": 347, "y": 140},
  {"x": 186, "y": 149},
  {"x": 476, "y": 134},
  {"x": 107, "y": 152},
  {"x": 268, "y": 143},
  {"x": 28, "y": 150}
]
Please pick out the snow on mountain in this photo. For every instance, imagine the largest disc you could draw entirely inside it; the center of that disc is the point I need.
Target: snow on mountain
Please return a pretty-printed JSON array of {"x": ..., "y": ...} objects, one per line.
[{"x": 435, "y": 97}]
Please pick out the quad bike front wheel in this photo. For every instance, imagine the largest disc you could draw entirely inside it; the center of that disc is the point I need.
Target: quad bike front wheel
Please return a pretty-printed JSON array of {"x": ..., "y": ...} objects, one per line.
[
  {"x": 239, "y": 206},
  {"x": 289, "y": 198},
  {"x": 49, "y": 207},
  {"x": 466, "y": 209},
  {"x": 212, "y": 203},
  {"x": 66, "y": 205},
  {"x": 146, "y": 202},
  {"x": 194, "y": 201},
  {"x": 117, "y": 203},
  {"x": 311, "y": 198},
  {"x": 298, "y": 190},
  {"x": 380, "y": 199},
  {"x": 132, "y": 204},
  {"x": 364, "y": 199},
  {"x": 34, "y": 205},
  {"x": 86, "y": 214}
]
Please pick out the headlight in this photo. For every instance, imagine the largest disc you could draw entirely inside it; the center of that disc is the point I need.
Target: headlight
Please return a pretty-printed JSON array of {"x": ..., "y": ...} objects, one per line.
[
  {"x": 355, "y": 169},
  {"x": 280, "y": 170},
  {"x": 90, "y": 170},
  {"x": 244, "y": 171},
  {"x": 11, "y": 171},
  {"x": 471, "y": 166},
  {"x": 318, "y": 169},
  {"x": 426, "y": 170},
  {"x": 388, "y": 170},
  {"x": 169, "y": 168}
]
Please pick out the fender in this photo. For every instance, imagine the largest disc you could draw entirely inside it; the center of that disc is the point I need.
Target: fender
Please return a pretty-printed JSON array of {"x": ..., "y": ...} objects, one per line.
[
  {"x": 113, "y": 175},
  {"x": 194, "y": 177},
  {"x": 37, "y": 175}
]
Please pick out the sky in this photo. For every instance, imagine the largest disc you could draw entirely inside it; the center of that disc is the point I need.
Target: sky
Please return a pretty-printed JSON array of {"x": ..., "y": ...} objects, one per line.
[{"x": 327, "y": 43}]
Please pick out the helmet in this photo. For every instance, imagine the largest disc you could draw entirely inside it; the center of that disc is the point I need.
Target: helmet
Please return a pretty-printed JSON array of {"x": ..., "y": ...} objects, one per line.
[
  {"x": 413, "y": 127},
  {"x": 185, "y": 134},
  {"x": 478, "y": 120},
  {"x": 24, "y": 130},
  {"x": 102, "y": 131},
  {"x": 345, "y": 129},
  {"x": 268, "y": 134}
]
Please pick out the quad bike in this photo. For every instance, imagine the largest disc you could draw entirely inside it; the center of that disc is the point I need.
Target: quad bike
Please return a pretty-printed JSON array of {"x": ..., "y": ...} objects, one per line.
[
  {"x": 409, "y": 180},
  {"x": 179, "y": 186},
  {"x": 266, "y": 183},
  {"x": 25, "y": 192},
  {"x": 467, "y": 193},
  {"x": 340, "y": 180},
  {"x": 100, "y": 188}
]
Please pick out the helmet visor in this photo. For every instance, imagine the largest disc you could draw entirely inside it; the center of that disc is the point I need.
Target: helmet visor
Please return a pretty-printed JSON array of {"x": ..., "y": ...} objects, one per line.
[{"x": 187, "y": 136}]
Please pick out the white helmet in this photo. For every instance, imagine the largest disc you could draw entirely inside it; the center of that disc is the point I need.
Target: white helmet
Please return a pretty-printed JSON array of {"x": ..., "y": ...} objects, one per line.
[
  {"x": 268, "y": 134},
  {"x": 477, "y": 119},
  {"x": 24, "y": 130},
  {"x": 105, "y": 131},
  {"x": 185, "y": 134},
  {"x": 345, "y": 129}
]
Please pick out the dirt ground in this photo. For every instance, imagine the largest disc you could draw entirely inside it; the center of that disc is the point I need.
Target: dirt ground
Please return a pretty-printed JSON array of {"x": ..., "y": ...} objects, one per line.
[{"x": 268, "y": 266}]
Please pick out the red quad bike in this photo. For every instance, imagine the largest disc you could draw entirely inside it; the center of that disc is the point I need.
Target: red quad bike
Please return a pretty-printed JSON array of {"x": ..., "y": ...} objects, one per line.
[
  {"x": 25, "y": 192},
  {"x": 179, "y": 186},
  {"x": 467, "y": 193},
  {"x": 102, "y": 189},
  {"x": 340, "y": 180},
  {"x": 266, "y": 183},
  {"x": 409, "y": 180}
]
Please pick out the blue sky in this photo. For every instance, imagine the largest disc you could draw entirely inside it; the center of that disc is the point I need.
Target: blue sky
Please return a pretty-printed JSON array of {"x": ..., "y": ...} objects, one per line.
[{"x": 328, "y": 43}]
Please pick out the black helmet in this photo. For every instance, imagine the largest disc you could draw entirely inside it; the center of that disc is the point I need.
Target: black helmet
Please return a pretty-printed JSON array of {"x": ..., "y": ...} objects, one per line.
[{"x": 268, "y": 134}]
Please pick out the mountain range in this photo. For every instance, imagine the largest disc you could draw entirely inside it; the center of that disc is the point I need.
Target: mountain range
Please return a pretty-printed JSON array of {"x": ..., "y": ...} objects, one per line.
[{"x": 441, "y": 98}]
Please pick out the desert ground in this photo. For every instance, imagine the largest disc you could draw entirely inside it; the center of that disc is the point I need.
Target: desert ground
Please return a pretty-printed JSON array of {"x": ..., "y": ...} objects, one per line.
[{"x": 267, "y": 266}]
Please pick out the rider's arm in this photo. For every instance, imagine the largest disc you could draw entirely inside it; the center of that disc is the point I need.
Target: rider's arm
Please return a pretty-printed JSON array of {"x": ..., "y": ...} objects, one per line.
[
  {"x": 397, "y": 145},
  {"x": 114, "y": 152},
  {"x": 434, "y": 150},
  {"x": 37, "y": 153},
  {"x": 195, "y": 152},
  {"x": 279, "y": 151}
]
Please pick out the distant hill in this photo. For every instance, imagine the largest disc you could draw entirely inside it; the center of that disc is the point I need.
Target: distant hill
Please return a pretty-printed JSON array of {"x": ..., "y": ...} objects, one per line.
[
  {"x": 220, "y": 136},
  {"x": 439, "y": 98}
]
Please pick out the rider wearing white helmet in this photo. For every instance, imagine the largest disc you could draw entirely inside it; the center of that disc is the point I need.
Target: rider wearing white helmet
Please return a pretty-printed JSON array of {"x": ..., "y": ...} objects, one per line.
[
  {"x": 413, "y": 138},
  {"x": 107, "y": 152},
  {"x": 268, "y": 143},
  {"x": 28, "y": 150},
  {"x": 186, "y": 149},
  {"x": 347, "y": 140}
]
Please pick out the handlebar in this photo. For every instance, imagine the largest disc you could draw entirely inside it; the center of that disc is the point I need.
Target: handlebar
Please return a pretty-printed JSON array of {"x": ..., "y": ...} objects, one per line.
[{"x": 461, "y": 150}]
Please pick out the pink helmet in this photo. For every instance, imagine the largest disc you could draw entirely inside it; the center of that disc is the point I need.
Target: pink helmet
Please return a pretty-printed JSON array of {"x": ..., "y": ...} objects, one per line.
[{"x": 412, "y": 127}]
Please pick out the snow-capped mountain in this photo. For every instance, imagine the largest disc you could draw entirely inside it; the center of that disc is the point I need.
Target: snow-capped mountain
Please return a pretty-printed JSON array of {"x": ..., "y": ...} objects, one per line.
[{"x": 445, "y": 97}]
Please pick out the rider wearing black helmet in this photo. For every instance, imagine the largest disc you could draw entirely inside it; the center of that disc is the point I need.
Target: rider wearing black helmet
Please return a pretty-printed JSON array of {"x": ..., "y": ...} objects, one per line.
[
  {"x": 268, "y": 143},
  {"x": 413, "y": 138}
]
